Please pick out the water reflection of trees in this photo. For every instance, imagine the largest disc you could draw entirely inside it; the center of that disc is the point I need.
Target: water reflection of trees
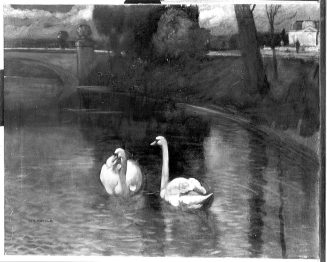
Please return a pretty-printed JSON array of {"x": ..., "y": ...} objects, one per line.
[
  {"x": 152, "y": 227},
  {"x": 281, "y": 207},
  {"x": 257, "y": 164},
  {"x": 192, "y": 233},
  {"x": 297, "y": 172}
]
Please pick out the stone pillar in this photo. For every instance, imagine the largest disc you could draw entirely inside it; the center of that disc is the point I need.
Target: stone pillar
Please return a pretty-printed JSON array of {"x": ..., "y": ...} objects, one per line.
[{"x": 85, "y": 53}]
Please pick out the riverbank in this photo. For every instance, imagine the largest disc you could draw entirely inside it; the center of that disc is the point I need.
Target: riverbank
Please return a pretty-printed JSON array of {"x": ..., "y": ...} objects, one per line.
[
  {"x": 289, "y": 52},
  {"x": 219, "y": 82},
  {"x": 290, "y": 137}
]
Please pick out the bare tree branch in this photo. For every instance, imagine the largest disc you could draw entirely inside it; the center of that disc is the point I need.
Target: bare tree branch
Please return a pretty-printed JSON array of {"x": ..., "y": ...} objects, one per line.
[
  {"x": 252, "y": 9},
  {"x": 267, "y": 11},
  {"x": 286, "y": 18},
  {"x": 272, "y": 12}
]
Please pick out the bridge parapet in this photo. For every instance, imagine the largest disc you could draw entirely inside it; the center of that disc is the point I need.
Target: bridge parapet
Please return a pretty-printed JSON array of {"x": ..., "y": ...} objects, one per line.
[{"x": 65, "y": 59}]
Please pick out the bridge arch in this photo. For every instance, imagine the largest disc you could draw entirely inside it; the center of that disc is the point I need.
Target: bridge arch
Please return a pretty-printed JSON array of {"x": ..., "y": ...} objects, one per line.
[{"x": 43, "y": 69}]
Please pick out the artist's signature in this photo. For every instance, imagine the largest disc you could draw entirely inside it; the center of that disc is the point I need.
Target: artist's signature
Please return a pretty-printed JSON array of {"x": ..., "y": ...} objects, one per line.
[{"x": 40, "y": 220}]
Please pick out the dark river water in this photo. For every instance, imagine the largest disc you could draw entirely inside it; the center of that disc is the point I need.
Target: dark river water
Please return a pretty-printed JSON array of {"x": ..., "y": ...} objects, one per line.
[{"x": 266, "y": 192}]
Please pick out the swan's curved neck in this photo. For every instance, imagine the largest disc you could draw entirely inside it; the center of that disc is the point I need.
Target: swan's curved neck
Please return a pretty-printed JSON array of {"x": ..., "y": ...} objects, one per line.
[
  {"x": 165, "y": 167},
  {"x": 122, "y": 176}
]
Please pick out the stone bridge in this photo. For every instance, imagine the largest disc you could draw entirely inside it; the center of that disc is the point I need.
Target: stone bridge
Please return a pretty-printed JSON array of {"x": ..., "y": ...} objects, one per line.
[{"x": 70, "y": 67}]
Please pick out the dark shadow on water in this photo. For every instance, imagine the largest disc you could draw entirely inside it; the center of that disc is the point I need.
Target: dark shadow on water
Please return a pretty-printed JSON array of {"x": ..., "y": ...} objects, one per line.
[
  {"x": 144, "y": 213},
  {"x": 192, "y": 233},
  {"x": 281, "y": 207},
  {"x": 152, "y": 227},
  {"x": 258, "y": 163},
  {"x": 1, "y": 97}
]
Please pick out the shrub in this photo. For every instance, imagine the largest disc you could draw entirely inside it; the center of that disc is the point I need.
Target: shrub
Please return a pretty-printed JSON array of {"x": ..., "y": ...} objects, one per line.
[{"x": 179, "y": 35}]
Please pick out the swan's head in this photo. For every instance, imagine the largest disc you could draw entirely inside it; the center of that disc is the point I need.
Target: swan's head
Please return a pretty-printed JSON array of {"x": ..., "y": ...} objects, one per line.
[
  {"x": 120, "y": 153},
  {"x": 160, "y": 140},
  {"x": 115, "y": 160},
  {"x": 112, "y": 161}
]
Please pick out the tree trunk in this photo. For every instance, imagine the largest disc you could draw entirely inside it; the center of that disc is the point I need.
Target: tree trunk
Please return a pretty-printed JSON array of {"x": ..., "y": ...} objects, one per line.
[
  {"x": 256, "y": 80},
  {"x": 274, "y": 63},
  {"x": 272, "y": 44}
]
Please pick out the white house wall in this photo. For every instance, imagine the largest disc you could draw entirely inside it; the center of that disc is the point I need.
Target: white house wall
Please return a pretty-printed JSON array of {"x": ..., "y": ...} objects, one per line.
[{"x": 305, "y": 38}]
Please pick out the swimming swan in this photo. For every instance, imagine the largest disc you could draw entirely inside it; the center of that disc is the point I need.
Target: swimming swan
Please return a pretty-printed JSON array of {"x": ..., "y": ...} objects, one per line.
[
  {"x": 120, "y": 176},
  {"x": 180, "y": 192}
]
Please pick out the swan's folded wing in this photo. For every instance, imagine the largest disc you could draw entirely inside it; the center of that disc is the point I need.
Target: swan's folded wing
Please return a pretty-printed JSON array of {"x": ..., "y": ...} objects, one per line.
[
  {"x": 183, "y": 186},
  {"x": 197, "y": 186},
  {"x": 173, "y": 200},
  {"x": 195, "y": 200},
  {"x": 179, "y": 186}
]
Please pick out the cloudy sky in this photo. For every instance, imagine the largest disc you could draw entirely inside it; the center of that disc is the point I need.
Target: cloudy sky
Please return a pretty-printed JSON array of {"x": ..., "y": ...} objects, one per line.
[
  {"x": 45, "y": 21},
  {"x": 34, "y": 22},
  {"x": 222, "y": 20}
]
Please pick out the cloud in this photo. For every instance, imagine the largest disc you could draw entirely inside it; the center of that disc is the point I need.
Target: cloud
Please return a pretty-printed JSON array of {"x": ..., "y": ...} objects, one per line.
[
  {"x": 211, "y": 15},
  {"x": 76, "y": 12},
  {"x": 8, "y": 11},
  {"x": 79, "y": 13},
  {"x": 36, "y": 23}
]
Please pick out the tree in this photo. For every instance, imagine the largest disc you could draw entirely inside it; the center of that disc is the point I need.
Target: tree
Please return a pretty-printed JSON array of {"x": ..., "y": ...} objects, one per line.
[
  {"x": 62, "y": 38},
  {"x": 284, "y": 37},
  {"x": 179, "y": 35},
  {"x": 272, "y": 11},
  {"x": 144, "y": 31},
  {"x": 255, "y": 77}
]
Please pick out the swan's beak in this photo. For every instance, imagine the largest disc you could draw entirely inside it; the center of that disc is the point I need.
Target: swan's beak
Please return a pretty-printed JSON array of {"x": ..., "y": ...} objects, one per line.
[
  {"x": 115, "y": 159},
  {"x": 154, "y": 143}
]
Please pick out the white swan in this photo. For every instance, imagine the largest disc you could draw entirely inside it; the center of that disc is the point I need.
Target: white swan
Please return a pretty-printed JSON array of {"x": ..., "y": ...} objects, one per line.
[
  {"x": 120, "y": 176},
  {"x": 180, "y": 192}
]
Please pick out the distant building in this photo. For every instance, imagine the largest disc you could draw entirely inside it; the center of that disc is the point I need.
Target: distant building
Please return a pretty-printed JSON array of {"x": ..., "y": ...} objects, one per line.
[{"x": 306, "y": 32}]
